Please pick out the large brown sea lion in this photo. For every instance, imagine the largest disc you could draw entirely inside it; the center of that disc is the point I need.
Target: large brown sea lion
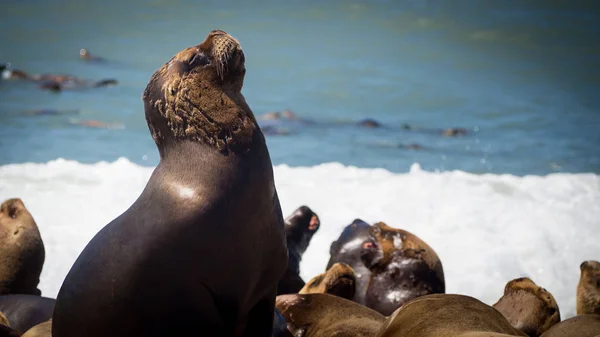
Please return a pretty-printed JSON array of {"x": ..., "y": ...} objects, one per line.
[
  {"x": 300, "y": 227},
  {"x": 346, "y": 249},
  {"x": 26, "y": 311},
  {"x": 528, "y": 307},
  {"x": 578, "y": 326},
  {"x": 325, "y": 315},
  {"x": 339, "y": 280},
  {"x": 447, "y": 315},
  {"x": 22, "y": 251},
  {"x": 588, "y": 288},
  {"x": 203, "y": 247},
  {"x": 402, "y": 267}
]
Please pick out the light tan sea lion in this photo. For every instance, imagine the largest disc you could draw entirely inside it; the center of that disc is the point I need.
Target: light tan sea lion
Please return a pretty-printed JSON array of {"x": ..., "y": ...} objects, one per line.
[
  {"x": 528, "y": 307},
  {"x": 588, "y": 289}
]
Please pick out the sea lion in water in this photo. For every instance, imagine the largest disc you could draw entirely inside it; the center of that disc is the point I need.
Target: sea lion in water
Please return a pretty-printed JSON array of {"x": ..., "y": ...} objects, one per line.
[
  {"x": 40, "y": 330},
  {"x": 578, "y": 326},
  {"x": 300, "y": 227},
  {"x": 324, "y": 315},
  {"x": 346, "y": 249},
  {"x": 22, "y": 251},
  {"x": 402, "y": 267},
  {"x": 203, "y": 247},
  {"x": 528, "y": 307},
  {"x": 85, "y": 54},
  {"x": 339, "y": 280},
  {"x": 26, "y": 311},
  {"x": 369, "y": 123},
  {"x": 588, "y": 288},
  {"x": 447, "y": 315}
]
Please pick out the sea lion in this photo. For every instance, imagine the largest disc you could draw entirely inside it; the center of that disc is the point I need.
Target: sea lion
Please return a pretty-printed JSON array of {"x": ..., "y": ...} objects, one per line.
[
  {"x": 203, "y": 247},
  {"x": 300, "y": 227},
  {"x": 26, "y": 311},
  {"x": 339, "y": 280},
  {"x": 528, "y": 307},
  {"x": 578, "y": 326},
  {"x": 446, "y": 315},
  {"x": 22, "y": 251},
  {"x": 588, "y": 288},
  {"x": 369, "y": 123},
  {"x": 324, "y": 315},
  {"x": 454, "y": 132},
  {"x": 3, "y": 319},
  {"x": 346, "y": 249},
  {"x": 84, "y": 54},
  {"x": 402, "y": 267},
  {"x": 40, "y": 330},
  {"x": 7, "y": 73}
]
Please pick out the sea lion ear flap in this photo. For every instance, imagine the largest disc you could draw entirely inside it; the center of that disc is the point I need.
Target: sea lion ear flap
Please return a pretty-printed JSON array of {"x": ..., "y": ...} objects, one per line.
[{"x": 335, "y": 245}]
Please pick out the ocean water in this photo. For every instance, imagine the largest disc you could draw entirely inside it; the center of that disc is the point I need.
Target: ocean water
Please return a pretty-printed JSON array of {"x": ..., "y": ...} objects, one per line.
[{"x": 518, "y": 195}]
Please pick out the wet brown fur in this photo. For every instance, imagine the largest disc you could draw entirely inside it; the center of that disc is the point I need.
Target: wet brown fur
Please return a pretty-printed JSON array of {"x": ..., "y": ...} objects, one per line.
[
  {"x": 528, "y": 307},
  {"x": 588, "y": 288},
  {"x": 339, "y": 280}
]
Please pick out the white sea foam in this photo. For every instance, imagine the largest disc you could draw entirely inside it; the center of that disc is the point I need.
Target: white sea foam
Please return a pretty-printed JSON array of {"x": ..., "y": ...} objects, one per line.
[{"x": 487, "y": 229}]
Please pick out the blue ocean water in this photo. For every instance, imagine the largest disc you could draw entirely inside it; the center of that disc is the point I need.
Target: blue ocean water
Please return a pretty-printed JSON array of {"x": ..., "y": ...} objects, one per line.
[{"x": 523, "y": 77}]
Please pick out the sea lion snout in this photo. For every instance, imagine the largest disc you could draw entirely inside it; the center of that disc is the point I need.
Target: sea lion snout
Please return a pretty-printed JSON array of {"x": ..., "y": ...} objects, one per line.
[
  {"x": 11, "y": 207},
  {"x": 225, "y": 50}
]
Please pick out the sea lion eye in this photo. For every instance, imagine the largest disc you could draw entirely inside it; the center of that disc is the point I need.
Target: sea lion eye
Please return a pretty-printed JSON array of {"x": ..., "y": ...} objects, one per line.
[{"x": 198, "y": 59}]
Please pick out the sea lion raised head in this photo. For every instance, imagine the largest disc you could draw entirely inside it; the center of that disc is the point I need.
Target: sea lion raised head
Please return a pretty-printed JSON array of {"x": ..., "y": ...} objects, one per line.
[
  {"x": 300, "y": 227},
  {"x": 324, "y": 315},
  {"x": 346, "y": 249},
  {"x": 339, "y": 280},
  {"x": 402, "y": 267},
  {"x": 197, "y": 96},
  {"x": 22, "y": 251},
  {"x": 588, "y": 288},
  {"x": 528, "y": 307}
]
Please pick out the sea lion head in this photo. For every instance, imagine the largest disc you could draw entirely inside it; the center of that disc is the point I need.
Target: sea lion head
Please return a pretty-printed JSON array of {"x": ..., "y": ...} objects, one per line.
[
  {"x": 84, "y": 54},
  {"x": 528, "y": 307},
  {"x": 300, "y": 227},
  {"x": 22, "y": 251},
  {"x": 196, "y": 96},
  {"x": 588, "y": 288},
  {"x": 339, "y": 280}
]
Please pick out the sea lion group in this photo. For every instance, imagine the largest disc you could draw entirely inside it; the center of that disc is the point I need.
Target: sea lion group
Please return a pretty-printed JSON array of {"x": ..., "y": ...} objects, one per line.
[{"x": 205, "y": 248}]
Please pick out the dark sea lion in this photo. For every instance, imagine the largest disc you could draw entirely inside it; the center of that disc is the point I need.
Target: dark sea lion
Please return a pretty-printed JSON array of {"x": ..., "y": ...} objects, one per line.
[
  {"x": 339, "y": 280},
  {"x": 6, "y": 331},
  {"x": 325, "y": 315},
  {"x": 402, "y": 267},
  {"x": 26, "y": 311},
  {"x": 528, "y": 307},
  {"x": 300, "y": 227},
  {"x": 203, "y": 247},
  {"x": 369, "y": 123},
  {"x": 40, "y": 330},
  {"x": 578, "y": 326},
  {"x": 346, "y": 249},
  {"x": 7, "y": 73},
  {"x": 588, "y": 288},
  {"x": 22, "y": 251},
  {"x": 440, "y": 315}
]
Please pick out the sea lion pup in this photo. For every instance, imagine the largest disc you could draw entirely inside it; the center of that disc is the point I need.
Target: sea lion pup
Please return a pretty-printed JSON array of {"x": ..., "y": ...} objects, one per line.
[
  {"x": 324, "y": 315},
  {"x": 22, "y": 251},
  {"x": 578, "y": 326},
  {"x": 402, "y": 267},
  {"x": 447, "y": 315},
  {"x": 588, "y": 288},
  {"x": 346, "y": 249},
  {"x": 339, "y": 280},
  {"x": 528, "y": 307},
  {"x": 40, "y": 330},
  {"x": 300, "y": 227},
  {"x": 26, "y": 311},
  {"x": 203, "y": 247}
]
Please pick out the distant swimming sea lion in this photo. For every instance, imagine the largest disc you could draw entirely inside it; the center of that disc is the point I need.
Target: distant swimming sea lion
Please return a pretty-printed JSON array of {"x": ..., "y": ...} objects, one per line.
[
  {"x": 203, "y": 247},
  {"x": 402, "y": 267},
  {"x": 339, "y": 280},
  {"x": 447, "y": 315},
  {"x": 85, "y": 54},
  {"x": 578, "y": 326},
  {"x": 588, "y": 288},
  {"x": 22, "y": 251},
  {"x": 300, "y": 227},
  {"x": 26, "y": 311},
  {"x": 325, "y": 315},
  {"x": 528, "y": 307},
  {"x": 346, "y": 249}
]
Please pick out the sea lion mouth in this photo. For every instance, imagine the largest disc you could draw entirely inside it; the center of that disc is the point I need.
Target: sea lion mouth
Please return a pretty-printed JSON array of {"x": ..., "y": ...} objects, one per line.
[{"x": 314, "y": 223}]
